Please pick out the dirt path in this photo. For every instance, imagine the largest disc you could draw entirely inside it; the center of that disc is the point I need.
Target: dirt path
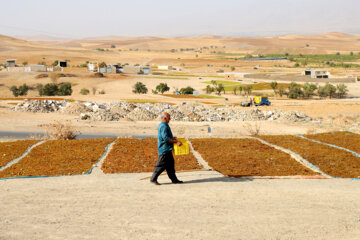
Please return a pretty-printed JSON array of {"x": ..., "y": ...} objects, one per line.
[{"x": 207, "y": 207}]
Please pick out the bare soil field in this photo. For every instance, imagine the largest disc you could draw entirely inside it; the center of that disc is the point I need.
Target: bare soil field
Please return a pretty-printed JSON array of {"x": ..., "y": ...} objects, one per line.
[{"x": 208, "y": 205}]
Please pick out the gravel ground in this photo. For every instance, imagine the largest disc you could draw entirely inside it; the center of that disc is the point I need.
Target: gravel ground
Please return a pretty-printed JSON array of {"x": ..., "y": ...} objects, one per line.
[{"x": 208, "y": 206}]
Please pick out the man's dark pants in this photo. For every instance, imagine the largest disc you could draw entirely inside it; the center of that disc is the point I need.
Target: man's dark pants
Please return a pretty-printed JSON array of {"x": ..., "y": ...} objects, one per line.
[{"x": 165, "y": 162}]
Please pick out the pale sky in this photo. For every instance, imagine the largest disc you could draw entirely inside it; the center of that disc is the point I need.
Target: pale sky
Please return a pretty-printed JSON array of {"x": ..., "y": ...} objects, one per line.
[{"x": 89, "y": 18}]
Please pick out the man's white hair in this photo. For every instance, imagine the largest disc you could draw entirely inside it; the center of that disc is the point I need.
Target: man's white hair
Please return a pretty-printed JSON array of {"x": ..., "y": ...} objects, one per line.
[{"x": 164, "y": 115}]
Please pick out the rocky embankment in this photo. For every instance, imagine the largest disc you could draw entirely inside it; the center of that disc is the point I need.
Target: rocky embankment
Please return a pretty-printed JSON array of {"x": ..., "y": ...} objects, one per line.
[{"x": 116, "y": 111}]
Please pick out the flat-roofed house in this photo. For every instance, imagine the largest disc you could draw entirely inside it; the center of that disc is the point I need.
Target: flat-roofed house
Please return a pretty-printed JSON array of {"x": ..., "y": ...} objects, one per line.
[{"x": 316, "y": 73}]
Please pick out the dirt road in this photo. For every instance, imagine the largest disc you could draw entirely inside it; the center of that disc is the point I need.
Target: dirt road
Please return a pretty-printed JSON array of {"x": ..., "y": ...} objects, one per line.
[{"x": 208, "y": 206}]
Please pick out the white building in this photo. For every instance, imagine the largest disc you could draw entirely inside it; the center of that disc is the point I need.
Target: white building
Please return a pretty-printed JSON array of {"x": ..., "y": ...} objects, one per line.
[
  {"x": 165, "y": 67},
  {"x": 316, "y": 73}
]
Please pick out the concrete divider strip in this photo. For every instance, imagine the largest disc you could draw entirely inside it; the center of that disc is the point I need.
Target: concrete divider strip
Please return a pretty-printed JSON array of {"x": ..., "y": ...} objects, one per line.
[
  {"x": 198, "y": 156},
  {"x": 97, "y": 166},
  {"x": 330, "y": 145},
  {"x": 295, "y": 156},
  {"x": 27, "y": 151}
]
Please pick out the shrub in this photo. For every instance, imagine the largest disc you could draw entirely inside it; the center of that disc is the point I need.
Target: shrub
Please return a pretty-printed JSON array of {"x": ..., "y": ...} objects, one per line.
[
  {"x": 50, "y": 89},
  {"x": 113, "y": 46},
  {"x": 59, "y": 131},
  {"x": 140, "y": 88},
  {"x": 162, "y": 87},
  {"x": 140, "y": 72},
  {"x": 84, "y": 91},
  {"x": 187, "y": 90},
  {"x": 20, "y": 91},
  {"x": 102, "y": 92},
  {"x": 55, "y": 63},
  {"x": 64, "y": 89},
  {"x": 25, "y": 63},
  {"x": 154, "y": 91}
]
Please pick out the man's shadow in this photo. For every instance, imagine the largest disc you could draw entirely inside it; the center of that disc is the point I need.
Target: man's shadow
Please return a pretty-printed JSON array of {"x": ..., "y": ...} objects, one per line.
[{"x": 218, "y": 179}]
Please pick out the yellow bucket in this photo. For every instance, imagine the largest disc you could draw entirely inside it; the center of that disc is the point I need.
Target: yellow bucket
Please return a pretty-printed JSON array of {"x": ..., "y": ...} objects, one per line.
[{"x": 183, "y": 149}]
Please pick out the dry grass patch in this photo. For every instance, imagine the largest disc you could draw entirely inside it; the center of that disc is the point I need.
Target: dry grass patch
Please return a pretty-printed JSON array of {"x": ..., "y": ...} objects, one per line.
[
  {"x": 11, "y": 150},
  {"x": 342, "y": 139},
  {"x": 140, "y": 155},
  {"x": 247, "y": 157},
  {"x": 332, "y": 161},
  {"x": 59, "y": 157}
]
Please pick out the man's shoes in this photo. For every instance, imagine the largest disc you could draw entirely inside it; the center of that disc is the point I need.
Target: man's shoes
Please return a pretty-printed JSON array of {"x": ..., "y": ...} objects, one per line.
[
  {"x": 177, "y": 182},
  {"x": 155, "y": 182}
]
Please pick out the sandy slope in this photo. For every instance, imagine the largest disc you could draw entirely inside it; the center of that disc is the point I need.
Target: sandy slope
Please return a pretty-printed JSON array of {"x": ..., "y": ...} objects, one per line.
[{"x": 207, "y": 207}]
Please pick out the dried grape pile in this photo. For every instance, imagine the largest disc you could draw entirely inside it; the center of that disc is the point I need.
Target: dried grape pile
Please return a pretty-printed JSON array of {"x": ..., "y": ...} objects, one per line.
[
  {"x": 140, "y": 155},
  {"x": 247, "y": 157},
  {"x": 59, "y": 157},
  {"x": 11, "y": 150},
  {"x": 332, "y": 161},
  {"x": 342, "y": 139}
]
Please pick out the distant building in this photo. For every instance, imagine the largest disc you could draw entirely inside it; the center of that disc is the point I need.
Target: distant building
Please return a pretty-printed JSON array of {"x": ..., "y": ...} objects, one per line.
[
  {"x": 62, "y": 63},
  {"x": 11, "y": 63},
  {"x": 137, "y": 69},
  {"x": 165, "y": 67},
  {"x": 38, "y": 68},
  {"x": 92, "y": 67},
  {"x": 106, "y": 69},
  {"x": 314, "y": 73},
  {"x": 118, "y": 68},
  {"x": 233, "y": 75}
]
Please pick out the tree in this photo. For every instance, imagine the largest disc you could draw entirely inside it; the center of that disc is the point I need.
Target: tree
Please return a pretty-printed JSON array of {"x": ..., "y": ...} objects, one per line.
[
  {"x": 209, "y": 89},
  {"x": 309, "y": 89},
  {"x": 140, "y": 88},
  {"x": 20, "y": 91},
  {"x": 330, "y": 90},
  {"x": 162, "y": 87},
  {"x": 235, "y": 89},
  {"x": 232, "y": 68},
  {"x": 55, "y": 63},
  {"x": 274, "y": 85},
  {"x": 295, "y": 91},
  {"x": 65, "y": 89},
  {"x": 351, "y": 53},
  {"x": 50, "y": 89},
  {"x": 214, "y": 83},
  {"x": 341, "y": 90},
  {"x": 281, "y": 91},
  {"x": 240, "y": 89},
  {"x": 322, "y": 92},
  {"x": 187, "y": 90},
  {"x": 248, "y": 89},
  {"x": 25, "y": 63},
  {"x": 220, "y": 88},
  {"x": 102, "y": 64}
]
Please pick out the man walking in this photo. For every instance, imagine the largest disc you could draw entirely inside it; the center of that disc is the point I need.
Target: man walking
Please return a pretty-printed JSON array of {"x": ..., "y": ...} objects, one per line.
[{"x": 165, "y": 147}]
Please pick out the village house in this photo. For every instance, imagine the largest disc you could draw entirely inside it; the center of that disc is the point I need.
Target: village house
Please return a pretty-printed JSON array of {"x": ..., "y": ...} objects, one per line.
[{"x": 316, "y": 73}]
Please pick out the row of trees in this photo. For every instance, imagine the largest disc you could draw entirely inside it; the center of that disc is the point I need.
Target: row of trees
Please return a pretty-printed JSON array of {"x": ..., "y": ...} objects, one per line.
[
  {"x": 50, "y": 89},
  {"x": 219, "y": 88},
  {"x": 309, "y": 90},
  {"x": 141, "y": 88}
]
